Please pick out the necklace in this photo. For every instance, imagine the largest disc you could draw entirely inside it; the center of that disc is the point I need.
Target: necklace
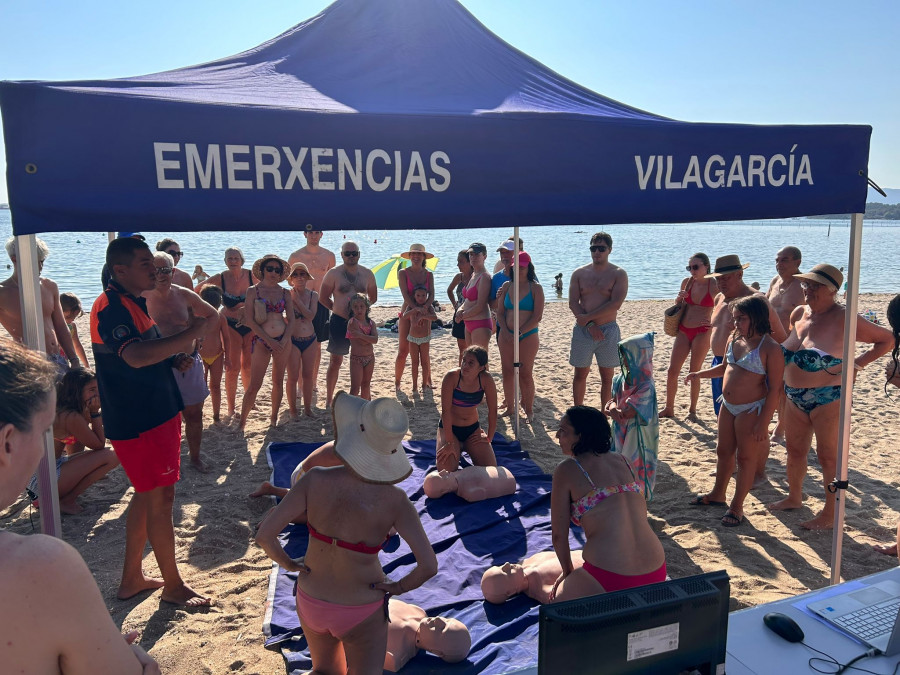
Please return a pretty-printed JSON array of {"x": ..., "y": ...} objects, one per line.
[{"x": 785, "y": 287}]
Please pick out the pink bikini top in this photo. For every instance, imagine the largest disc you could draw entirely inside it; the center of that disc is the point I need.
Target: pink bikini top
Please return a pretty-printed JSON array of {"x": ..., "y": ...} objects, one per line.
[
  {"x": 597, "y": 495},
  {"x": 470, "y": 292},
  {"x": 367, "y": 328}
]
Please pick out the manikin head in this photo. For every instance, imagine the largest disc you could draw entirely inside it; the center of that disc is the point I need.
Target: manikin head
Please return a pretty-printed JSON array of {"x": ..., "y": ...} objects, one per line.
[
  {"x": 448, "y": 639},
  {"x": 439, "y": 483},
  {"x": 498, "y": 584}
]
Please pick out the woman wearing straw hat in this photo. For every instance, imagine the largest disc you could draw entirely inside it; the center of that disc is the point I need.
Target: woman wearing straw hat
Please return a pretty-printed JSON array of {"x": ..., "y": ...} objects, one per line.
[
  {"x": 409, "y": 279},
  {"x": 269, "y": 314},
  {"x": 812, "y": 383},
  {"x": 342, "y": 591}
]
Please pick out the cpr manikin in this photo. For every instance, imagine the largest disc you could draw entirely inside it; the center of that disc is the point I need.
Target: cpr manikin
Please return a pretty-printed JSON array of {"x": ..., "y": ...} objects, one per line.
[
  {"x": 411, "y": 629},
  {"x": 474, "y": 483},
  {"x": 534, "y": 576}
]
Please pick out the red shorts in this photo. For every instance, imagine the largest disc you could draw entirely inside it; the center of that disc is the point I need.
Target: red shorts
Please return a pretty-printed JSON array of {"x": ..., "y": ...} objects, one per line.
[{"x": 153, "y": 459}]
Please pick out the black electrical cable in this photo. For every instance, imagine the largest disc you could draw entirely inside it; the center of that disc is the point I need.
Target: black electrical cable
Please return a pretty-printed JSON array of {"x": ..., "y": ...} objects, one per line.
[{"x": 841, "y": 667}]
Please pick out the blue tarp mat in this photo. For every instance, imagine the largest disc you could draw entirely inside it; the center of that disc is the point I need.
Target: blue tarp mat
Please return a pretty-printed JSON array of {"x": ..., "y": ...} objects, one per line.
[{"x": 467, "y": 538}]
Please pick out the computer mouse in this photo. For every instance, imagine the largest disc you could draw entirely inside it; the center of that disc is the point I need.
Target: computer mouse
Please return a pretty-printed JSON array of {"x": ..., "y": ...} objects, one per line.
[{"x": 783, "y": 626}]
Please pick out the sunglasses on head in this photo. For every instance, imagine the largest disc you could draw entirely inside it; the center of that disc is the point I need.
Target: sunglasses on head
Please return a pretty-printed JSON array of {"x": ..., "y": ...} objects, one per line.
[
  {"x": 350, "y": 254},
  {"x": 176, "y": 254},
  {"x": 164, "y": 270},
  {"x": 272, "y": 268},
  {"x": 599, "y": 247},
  {"x": 694, "y": 268}
]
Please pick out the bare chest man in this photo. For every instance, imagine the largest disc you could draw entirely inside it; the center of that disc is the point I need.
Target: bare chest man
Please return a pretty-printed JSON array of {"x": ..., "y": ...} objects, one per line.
[
  {"x": 169, "y": 310},
  {"x": 11, "y": 311},
  {"x": 784, "y": 298},
  {"x": 594, "y": 287},
  {"x": 347, "y": 285}
]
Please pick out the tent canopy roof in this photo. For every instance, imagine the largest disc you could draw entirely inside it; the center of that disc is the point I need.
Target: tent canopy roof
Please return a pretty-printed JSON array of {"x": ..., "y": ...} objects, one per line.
[
  {"x": 394, "y": 57},
  {"x": 395, "y": 114}
]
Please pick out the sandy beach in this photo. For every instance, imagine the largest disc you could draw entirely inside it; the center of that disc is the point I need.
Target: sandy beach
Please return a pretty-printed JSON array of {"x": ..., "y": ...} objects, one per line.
[{"x": 768, "y": 557}]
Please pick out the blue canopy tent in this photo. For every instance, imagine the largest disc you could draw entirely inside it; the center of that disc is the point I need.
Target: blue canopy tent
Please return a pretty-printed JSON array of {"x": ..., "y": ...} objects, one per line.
[{"x": 397, "y": 114}]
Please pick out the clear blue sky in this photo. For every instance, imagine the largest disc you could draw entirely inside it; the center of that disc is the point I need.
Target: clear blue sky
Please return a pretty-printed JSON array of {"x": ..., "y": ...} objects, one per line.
[{"x": 765, "y": 62}]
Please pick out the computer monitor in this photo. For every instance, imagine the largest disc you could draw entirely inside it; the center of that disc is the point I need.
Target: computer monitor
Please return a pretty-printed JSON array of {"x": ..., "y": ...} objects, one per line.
[{"x": 678, "y": 626}]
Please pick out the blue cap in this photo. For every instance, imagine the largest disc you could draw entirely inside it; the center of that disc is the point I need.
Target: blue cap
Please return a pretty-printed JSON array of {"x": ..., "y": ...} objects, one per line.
[{"x": 136, "y": 235}]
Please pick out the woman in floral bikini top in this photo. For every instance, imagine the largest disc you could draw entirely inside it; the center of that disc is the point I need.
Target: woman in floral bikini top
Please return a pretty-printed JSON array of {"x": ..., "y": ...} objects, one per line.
[{"x": 620, "y": 550}]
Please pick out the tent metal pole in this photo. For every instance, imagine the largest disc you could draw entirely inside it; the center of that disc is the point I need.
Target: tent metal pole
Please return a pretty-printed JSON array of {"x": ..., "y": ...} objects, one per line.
[
  {"x": 28, "y": 271},
  {"x": 109, "y": 237},
  {"x": 514, "y": 285},
  {"x": 847, "y": 377}
]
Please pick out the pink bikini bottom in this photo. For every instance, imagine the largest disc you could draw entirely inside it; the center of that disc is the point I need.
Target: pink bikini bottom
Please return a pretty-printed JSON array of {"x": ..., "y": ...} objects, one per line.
[
  {"x": 617, "y": 582},
  {"x": 321, "y": 616},
  {"x": 475, "y": 324}
]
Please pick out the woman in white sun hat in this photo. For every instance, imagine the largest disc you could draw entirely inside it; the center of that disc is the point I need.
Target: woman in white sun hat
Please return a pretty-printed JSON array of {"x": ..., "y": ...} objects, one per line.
[{"x": 342, "y": 591}]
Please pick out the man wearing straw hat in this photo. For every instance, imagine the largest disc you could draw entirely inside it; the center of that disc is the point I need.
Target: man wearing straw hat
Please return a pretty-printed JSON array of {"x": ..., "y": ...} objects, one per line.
[{"x": 729, "y": 275}]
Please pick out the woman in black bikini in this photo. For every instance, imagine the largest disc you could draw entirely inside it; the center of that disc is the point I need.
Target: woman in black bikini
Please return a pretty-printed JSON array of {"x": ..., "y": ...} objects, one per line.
[
  {"x": 462, "y": 390},
  {"x": 305, "y": 349},
  {"x": 234, "y": 283},
  {"x": 271, "y": 318}
]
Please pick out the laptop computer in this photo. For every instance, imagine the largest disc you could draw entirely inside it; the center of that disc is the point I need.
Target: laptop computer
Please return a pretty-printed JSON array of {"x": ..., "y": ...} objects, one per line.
[{"x": 868, "y": 614}]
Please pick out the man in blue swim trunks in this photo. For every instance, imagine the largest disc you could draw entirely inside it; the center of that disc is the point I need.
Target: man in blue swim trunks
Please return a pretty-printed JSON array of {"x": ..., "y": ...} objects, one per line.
[{"x": 596, "y": 292}]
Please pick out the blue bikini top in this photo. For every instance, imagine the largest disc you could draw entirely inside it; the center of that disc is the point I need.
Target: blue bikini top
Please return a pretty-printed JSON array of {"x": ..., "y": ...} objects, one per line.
[
  {"x": 811, "y": 360},
  {"x": 749, "y": 361}
]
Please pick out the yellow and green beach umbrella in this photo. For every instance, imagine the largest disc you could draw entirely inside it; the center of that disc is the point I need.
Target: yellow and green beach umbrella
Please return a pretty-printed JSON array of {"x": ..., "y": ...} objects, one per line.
[{"x": 386, "y": 272}]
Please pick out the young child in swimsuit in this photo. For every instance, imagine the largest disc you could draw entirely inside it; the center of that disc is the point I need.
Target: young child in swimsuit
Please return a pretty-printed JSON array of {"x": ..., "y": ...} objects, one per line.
[
  {"x": 71, "y": 306},
  {"x": 753, "y": 361},
  {"x": 214, "y": 348},
  {"x": 421, "y": 314},
  {"x": 363, "y": 335},
  {"x": 199, "y": 275}
]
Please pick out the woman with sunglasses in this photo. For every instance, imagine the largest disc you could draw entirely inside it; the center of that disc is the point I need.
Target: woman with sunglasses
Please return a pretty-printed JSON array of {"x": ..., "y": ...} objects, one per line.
[
  {"x": 697, "y": 294},
  {"x": 234, "y": 282},
  {"x": 475, "y": 312},
  {"x": 305, "y": 349},
  {"x": 409, "y": 279},
  {"x": 269, "y": 314}
]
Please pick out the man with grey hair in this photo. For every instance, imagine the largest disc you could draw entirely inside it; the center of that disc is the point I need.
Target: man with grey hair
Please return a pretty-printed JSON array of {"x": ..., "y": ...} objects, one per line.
[
  {"x": 171, "y": 307},
  {"x": 57, "y": 338}
]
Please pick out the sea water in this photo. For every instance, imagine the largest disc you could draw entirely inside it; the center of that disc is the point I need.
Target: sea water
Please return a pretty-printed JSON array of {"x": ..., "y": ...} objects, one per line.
[{"x": 653, "y": 255}]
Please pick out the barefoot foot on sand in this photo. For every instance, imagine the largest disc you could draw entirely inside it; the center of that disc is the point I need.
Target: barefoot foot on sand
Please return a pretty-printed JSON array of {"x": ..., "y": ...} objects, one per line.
[
  {"x": 886, "y": 549},
  {"x": 309, "y": 412},
  {"x": 267, "y": 489},
  {"x": 759, "y": 480},
  {"x": 186, "y": 596},
  {"x": 776, "y": 439},
  {"x": 667, "y": 412},
  {"x": 820, "y": 522},
  {"x": 131, "y": 588},
  {"x": 785, "y": 504},
  {"x": 199, "y": 465}
]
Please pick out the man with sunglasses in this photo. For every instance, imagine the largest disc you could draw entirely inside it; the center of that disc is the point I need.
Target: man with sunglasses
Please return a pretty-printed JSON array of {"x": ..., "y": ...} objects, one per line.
[
  {"x": 179, "y": 277},
  {"x": 171, "y": 306},
  {"x": 596, "y": 292},
  {"x": 339, "y": 285}
]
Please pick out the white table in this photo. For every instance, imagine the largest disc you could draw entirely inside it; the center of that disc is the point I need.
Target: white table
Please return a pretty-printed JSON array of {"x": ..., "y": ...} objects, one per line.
[{"x": 754, "y": 649}]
